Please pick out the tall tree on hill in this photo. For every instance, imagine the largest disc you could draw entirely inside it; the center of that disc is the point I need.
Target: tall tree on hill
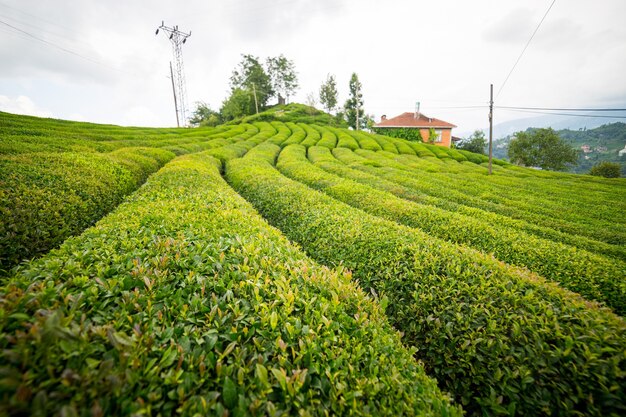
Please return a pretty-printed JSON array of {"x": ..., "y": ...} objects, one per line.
[
  {"x": 283, "y": 77},
  {"x": 328, "y": 93},
  {"x": 204, "y": 116},
  {"x": 240, "y": 103},
  {"x": 542, "y": 148},
  {"x": 250, "y": 76},
  {"x": 354, "y": 104},
  {"x": 475, "y": 143}
]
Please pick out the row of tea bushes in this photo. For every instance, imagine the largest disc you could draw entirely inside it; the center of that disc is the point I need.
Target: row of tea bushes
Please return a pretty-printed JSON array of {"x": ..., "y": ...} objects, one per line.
[
  {"x": 328, "y": 138},
  {"x": 184, "y": 301},
  {"x": 312, "y": 135},
  {"x": 424, "y": 182},
  {"x": 265, "y": 131},
  {"x": 297, "y": 134},
  {"x": 502, "y": 340},
  {"x": 548, "y": 195},
  {"x": 551, "y": 196},
  {"x": 595, "y": 277},
  {"x": 47, "y": 197},
  {"x": 369, "y": 175},
  {"x": 24, "y": 134}
]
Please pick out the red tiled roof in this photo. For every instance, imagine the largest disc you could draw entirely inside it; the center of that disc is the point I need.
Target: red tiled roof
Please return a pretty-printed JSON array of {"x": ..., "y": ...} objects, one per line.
[{"x": 408, "y": 120}]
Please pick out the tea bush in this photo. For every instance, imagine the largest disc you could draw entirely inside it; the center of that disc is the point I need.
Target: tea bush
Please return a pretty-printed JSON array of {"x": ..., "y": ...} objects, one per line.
[
  {"x": 183, "y": 301},
  {"x": 502, "y": 340}
]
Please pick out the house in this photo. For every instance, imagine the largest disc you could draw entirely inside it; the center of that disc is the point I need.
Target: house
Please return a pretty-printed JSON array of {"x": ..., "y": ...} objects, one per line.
[{"x": 420, "y": 122}]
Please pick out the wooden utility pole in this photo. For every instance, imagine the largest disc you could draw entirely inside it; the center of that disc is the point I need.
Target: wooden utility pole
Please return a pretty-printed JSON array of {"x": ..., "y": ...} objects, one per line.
[
  {"x": 490, "y": 127},
  {"x": 256, "y": 103},
  {"x": 174, "y": 90}
]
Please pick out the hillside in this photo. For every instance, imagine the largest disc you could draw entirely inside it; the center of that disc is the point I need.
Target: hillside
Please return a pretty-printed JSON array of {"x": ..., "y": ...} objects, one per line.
[
  {"x": 281, "y": 267},
  {"x": 293, "y": 112},
  {"x": 600, "y": 144}
]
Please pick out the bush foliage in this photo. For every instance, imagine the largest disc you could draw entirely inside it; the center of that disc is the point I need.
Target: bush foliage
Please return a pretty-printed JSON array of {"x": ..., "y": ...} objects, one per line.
[
  {"x": 177, "y": 298},
  {"x": 606, "y": 170}
]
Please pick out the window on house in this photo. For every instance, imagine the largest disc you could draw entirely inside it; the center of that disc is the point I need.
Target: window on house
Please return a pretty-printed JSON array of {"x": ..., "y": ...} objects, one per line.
[{"x": 439, "y": 135}]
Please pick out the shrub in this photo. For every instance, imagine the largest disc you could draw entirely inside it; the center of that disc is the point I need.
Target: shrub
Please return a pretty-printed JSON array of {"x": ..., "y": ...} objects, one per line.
[
  {"x": 185, "y": 302},
  {"x": 606, "y": 169},
  {"x": 47, "y": 197},
  {"x": 502, "y": 340}
]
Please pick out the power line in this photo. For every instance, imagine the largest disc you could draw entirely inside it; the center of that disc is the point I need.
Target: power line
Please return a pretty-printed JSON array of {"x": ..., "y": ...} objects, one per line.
[
  {"x": 566, "y": 114},
  {"x": 555, "y": 109},
  {"x": 55, "y": 33},
  {"x": 484, "y": 106},
  {"x": 37, "y": 17},
  {"x": 61, "y": 48},
  {"x": 525, "y": 47}
]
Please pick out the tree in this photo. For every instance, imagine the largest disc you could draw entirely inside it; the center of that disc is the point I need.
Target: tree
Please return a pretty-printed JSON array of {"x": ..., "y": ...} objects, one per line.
[
  {"x": 204, "y": 116},
  {"x": 354, "y": 104},
  {"x": 542, "y": 148},
  {"x": 328, "y": 93},
  {"x": 239, "y": 104},
  {"x": 369, "y": 122},
  {"x": 311, "y": 101},
  {"x": 475, "y": 143},
  {"x": 606, "y": 169},
  {"x": 283, "y": 77},
  {"x": 432, "y": 136},
  {"x": 251, "y": 76}
]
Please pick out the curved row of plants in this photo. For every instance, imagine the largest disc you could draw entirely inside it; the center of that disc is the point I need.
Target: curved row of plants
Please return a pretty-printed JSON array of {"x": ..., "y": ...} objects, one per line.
[
  {"x": 184, "y": 301},
  {"x": 47, "y": 197},
  {"x": 502, "y": 340},
  {"x": 24, "y": 134},
  {"x": 58, "y": 178},
  {"x": 593, "y": 276},
  {"x": 572, "y": 214},
  {"x": 551, "y": 195},
  {"x": 505, "y": 183},
  {"x": 548, "y": 196},
  {"x": 368, "y": 175},
  {"x": 421, "y": 181}
]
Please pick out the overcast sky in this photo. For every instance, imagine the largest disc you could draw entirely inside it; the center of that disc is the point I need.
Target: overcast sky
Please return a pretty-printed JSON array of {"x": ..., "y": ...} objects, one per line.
[{"x": 103, "y": 63}]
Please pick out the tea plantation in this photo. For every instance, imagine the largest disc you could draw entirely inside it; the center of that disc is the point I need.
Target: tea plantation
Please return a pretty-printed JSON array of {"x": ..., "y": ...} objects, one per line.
[{"x": 288, "y": 268}]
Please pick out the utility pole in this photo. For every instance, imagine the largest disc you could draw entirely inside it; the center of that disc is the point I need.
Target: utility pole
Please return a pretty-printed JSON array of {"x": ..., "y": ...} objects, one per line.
[
  {"x": 174, "y": 91},
  {"x": 177, "y": 39},
  {"x": 256, "y": 103},
  {"x": 490, "y": 127}
]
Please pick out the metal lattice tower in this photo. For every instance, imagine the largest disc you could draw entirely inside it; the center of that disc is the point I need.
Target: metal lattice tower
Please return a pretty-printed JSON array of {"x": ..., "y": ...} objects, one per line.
[{"x": 177, "y": 39}]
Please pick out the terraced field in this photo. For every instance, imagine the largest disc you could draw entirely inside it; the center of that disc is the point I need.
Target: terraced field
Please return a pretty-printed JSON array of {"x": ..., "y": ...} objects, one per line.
[{"x": 297, "y": 269}]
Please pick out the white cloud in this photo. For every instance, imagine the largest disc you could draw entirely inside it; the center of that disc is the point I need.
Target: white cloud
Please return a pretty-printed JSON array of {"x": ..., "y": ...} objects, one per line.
[{"x": 22, "y": 105}]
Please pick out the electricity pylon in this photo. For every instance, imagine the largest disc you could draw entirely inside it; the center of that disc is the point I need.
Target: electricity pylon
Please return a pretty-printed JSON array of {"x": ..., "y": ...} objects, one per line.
[{"x": 177, "y": 38}]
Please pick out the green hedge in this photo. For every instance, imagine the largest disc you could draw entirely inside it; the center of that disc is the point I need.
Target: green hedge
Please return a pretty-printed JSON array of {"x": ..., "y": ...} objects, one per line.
[
  {"x": 344, "y": 140},
  {"x": 500, "y": 339},
  {"x": 595, "y": 277},
  {"x": 328, "y": 138},
  {"x": 297, "y": 134},
  {"x": 312, "y": 135},
  {"x": 47, "y": 197},
  {"x": 400, "y": 133},
  {"x": 480, "y": 194},
  {"x": 184, "y": 301},
  {"x": 354, "y": 167}
]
